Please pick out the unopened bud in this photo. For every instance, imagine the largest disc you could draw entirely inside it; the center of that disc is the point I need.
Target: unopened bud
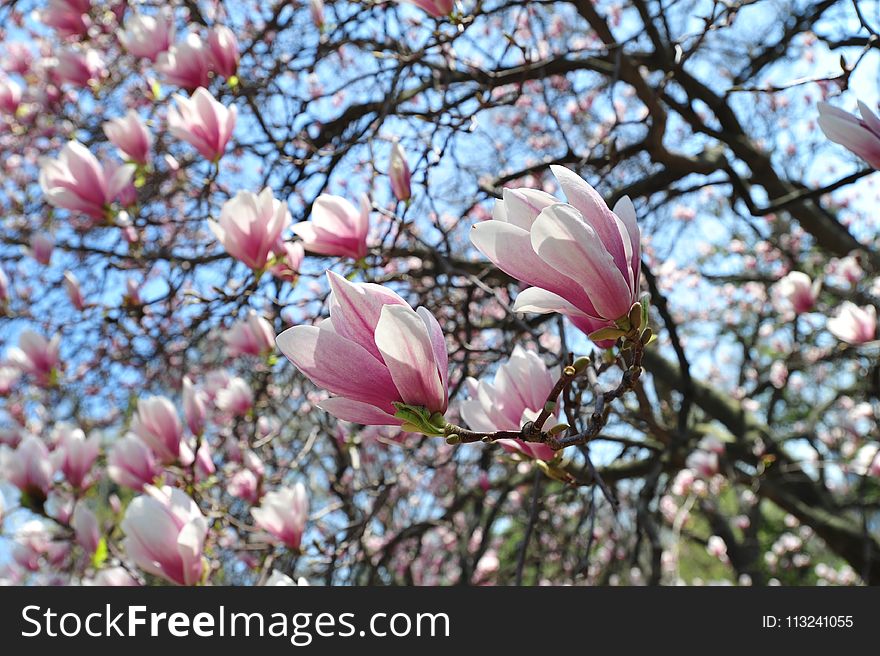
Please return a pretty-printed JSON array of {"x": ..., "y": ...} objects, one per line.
[
  {"x": 550, "y": 407},
  {"x": 647, "y": 335},
  {"x": 453, "y": 439},
  {"x": 569, "y": 371},
  {"x": 580, "y": 364},
  {"x": 635, "y": 316},
  {"x": 557, "y": 429}
]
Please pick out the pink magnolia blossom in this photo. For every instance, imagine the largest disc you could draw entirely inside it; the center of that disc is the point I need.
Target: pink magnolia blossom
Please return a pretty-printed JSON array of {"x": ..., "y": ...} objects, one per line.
[
  {"x": 287, "y": 261},
  {"x": 250, "y": 225},
  {"x": 202, "y": 122},
  {"x": 75, "y": 455},
  {"x": 436, "y": 8},
  {"x": 9, "y": 376},
  {"x": 165, "y": 534},
  {"x": 224, "y": 50},
  {"x": 204, "y": 461},
  {"x": 236, "y": 398},
  {"x": 244, "y": 485},
  {"x": 85, "y": 523},
  {"x": 251, "y": 336},
  {"x": 582, "y": 259},
  {"x": 76, "y": 181},
  {"x": 867, "y": 460},
  {"x": 316, "y": 10},
  {"x": 130, "y": 136},
  {"x": 147, "y": 36},
  {"x": 283, "y": 514},
  {"x": 517, "y": 395},
  {"x": 372, "y": 352},
  {"x": 35, "y": 355},
  {"x": 157, "y": 424},
  {"x": 194, "y": 410},
  {"x": 795, "y": 291},
  {"x": 10, "y": 95},
  {"x": 704, "y": 463},
  {"x": 29, "y": 467},
  {"x": 4, "y": 288},
  {"x": 853, "y": 324},
  {"x": 68, "y": 17},
  {"x": 132, "y": 464},
  {"x": 74, "y": 293},
  {"x": 187, "y": 64},
  {"x": 41, "y": 247},
  {"x": 81, "y": 68},
  {"x": 337, "y": 228},
  {"x": 399, "y": 173},
  {"x": 861, "y": 136}
]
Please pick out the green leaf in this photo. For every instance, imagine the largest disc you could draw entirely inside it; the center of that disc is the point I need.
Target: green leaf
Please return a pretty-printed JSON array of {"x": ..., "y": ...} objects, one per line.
[
  {"x": 606, "y": 333},
  {"x": 417, "y": 419},
  {"x": 100, "y": 554}
]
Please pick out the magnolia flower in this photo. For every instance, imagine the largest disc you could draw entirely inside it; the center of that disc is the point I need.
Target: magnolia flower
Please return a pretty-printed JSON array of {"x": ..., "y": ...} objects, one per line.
[
  {"x": 74, "y": 293},
  {"x": 250, "y": 226},
  {"x": 9, "y": 376},
  {"x": 373, "y": 351},
  {"x": 10, "y": 95},
  {"x": 244, "y": 485},
  {"x": 157, "y": 424},
  {"x": 29, "y": 468},
  {"x": 202, "y": 122},
  {"x": 4, "y": 288},
  {"x": 186, "y": 64},
  {"x": 398, "y": 171},
  {"x": 316, "y": 10},
  {"x": 68, "y": 17},
  {"x": 130, "y": 136},
  {"x": 861, "y": 136},
  {"x": 204, "y": 461},
  {"x": 147, "y": 36},
  {"x": 436, "y": 8},
  {"x": 131, "y": 464},
  {"x": 582, "y": 258},
  {"x": 80, "y": 68},
  {"x": 224, "y": 50},
  {"x": 35, "y": 355},
  {"x": 236, "y": 398},
  {"x": 517, "y": 395},
  {"x": 252, "y": 336},
  {"x": 85, "y": 525},
  {"x": 165, "y": 534},
  {"x": 853, "y": 324},
  {"x": 867, "y": 461},
  {"x": 704, "y": 463},
  {"x": 283, "y": 514},
  {"x": 336, "y": 227},
  {"x": 795, "y": 291},
  {"x": 42, "y": 245},
  {"x": 287, "y": 261},
  {"x": 76, "y": 181},
  {"x": 75, "y": 455},
  {"x": 194, "y": 410}
]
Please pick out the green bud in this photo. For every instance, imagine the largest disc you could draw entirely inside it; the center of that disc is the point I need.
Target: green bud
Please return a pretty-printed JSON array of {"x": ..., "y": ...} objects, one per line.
[
  {"x": 580, "y": 364},
  {"x": 635, "y": 316},
  {"x": 557, "y": 429},
  {"x": 550, "y": 407},
  {"x": 417, "y": 419},
  {"x": 606, "y": 333}
]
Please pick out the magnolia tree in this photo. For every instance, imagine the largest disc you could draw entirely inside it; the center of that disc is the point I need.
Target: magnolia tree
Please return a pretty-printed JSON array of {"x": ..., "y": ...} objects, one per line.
[{"x": 487, "y": 292}]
